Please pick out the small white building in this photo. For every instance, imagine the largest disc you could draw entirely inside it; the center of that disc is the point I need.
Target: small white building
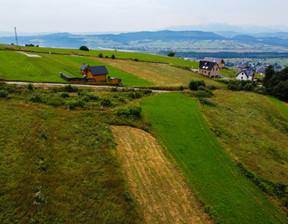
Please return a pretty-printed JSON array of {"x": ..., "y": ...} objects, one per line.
[{"x": 246, "y": 74}]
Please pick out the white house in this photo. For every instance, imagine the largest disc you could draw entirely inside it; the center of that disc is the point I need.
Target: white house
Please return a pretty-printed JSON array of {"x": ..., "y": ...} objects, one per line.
[{"x": 246, "y": 74}]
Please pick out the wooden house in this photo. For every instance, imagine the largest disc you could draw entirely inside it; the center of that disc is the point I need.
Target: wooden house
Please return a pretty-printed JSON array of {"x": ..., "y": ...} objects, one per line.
[
  {"x": 97, "y": 73},
  {"x": 220, "y": 62},
  {"x": 210, "y": 69}
]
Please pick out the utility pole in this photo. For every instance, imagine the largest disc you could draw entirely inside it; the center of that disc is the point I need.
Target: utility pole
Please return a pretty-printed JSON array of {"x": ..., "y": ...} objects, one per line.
[{"x": 16, "y": 37}]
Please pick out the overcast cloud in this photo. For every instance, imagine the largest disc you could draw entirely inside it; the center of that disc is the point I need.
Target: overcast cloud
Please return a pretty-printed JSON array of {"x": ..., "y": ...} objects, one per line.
[{"x": 135, "y": 15}]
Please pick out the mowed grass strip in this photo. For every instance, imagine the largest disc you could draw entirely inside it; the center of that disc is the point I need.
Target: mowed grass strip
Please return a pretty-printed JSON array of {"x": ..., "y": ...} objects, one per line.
[
  {"x": 18, "y": 67},
  {"x": 229, "y": 197},
  {"x": 157, "y": 187},
  {"x": 59, "y": 167},
  {"x": 159, "y": 74}
]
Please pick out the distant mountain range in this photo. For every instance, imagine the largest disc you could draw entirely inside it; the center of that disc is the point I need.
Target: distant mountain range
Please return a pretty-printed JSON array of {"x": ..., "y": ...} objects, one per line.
[{"x": 179, "y": 41}]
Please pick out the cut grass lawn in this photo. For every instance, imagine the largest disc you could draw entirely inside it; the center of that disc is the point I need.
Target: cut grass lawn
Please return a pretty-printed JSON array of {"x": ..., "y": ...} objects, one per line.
[
  {"x": 253, "y": 130},
  {"x": 59, "y": 167},
  {"x": 18, "y": 67},
  {"x": 153, "y": 181},
  {"x": 229, "y": 197}
]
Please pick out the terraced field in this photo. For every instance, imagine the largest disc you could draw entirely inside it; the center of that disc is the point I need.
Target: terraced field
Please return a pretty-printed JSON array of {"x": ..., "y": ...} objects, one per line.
[
  {"x": 228, "y": 196},
  {"x": 159, "y": 190}
]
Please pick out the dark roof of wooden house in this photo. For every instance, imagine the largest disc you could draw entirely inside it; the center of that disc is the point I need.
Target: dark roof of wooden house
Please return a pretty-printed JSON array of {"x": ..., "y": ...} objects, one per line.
[
  {"x": 217, "y": 60},
  {"x": 207, "y": 65},
  {"x": 83, "y": 66},
  {"x": 98, "y": 70}
]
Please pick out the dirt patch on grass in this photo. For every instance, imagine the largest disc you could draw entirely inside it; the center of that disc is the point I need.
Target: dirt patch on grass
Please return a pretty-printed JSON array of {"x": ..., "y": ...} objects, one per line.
[{"x": 157, "y": 187}]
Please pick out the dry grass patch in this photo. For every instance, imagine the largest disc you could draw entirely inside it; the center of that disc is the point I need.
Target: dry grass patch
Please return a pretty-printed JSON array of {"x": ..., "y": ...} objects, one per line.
[{"x": 157, "y": 187}]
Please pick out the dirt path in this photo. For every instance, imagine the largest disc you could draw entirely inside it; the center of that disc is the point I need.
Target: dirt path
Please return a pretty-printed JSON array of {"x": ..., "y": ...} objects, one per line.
[{"x": 155, "y": 185}]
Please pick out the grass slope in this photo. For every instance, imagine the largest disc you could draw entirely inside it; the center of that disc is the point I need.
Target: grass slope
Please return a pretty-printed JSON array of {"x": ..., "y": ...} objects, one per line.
[
  {"x": 59, "y": 167},
  {"x": 252, "y": 130},
  {"x": 159, "y": 74},
  {"x": 178, "y": 123},
  {"x": 16, "y": 66},
  {"x": 282, "y": 107},
  {"x": 153, "y": 181}
]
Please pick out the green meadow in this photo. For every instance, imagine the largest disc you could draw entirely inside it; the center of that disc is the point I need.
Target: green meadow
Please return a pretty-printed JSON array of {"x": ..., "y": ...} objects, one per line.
[
  {"x": 282, "y": 107},
  {"x": 226, "y": 194},
  {"x": 118, "y": 54},
  {"x": 59, "y": 166},
  {"x": 18, "y": 67}
]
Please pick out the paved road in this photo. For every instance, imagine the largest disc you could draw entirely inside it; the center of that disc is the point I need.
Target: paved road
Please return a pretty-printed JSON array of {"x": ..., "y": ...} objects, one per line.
[{"x": 78, "y": 85}]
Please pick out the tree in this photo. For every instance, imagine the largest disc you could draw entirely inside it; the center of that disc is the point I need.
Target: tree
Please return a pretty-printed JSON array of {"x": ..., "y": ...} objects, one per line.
[
  {"x": 268, "y": 74},
  {"x": 195, "y": 84},
  {"x": 113, "y": 56},
  {"x": 100, "y": 55},
  {"x": 171, "y": 54},
  {"x": 84, "y": 48}
]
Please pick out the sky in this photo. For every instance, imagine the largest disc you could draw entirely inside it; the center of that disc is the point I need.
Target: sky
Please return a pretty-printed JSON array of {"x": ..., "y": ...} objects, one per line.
[{"x": 93, "y": 16}]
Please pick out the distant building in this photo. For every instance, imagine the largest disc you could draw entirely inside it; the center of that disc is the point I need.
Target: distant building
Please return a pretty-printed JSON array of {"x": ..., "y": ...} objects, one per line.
[
  {"x": 246, "y": 74},
  {"x": 210, "y": 69},
  {"x": 261, "y": 70},
  {"x": 243, "y": 66},
  {"x": 220, "y": 62}
]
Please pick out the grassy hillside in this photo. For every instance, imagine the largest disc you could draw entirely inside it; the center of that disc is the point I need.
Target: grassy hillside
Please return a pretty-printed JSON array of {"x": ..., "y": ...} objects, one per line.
[
  {"x": 59, "y": 167},
  {"x": 282, "y": 107},
  {"x": 229, "y": 197},
  {"x": 118, "y": 54},
  {"x": 159, "y": 74},
  {"x": 16, "y": 66},
  {"x": 252, "y": 130}
]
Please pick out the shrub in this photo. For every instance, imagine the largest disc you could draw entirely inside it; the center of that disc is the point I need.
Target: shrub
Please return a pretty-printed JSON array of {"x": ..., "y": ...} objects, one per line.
[
  {"x": 65, "y": 95},
  {"x": 147, "y": 91},
  {"x": 36, "y": 98},
  {"x": 54, "y": 101},
  {"x": 113, "y": 56},
  {"x": 92, "y": 96},
  {"x": 248, "y": 87},
  {"x": 208, "y": 102},
  {"x": 106, "y": 57},
  {"x": 195, "y": 84},
  {"x": 3, "y": 93},
  {"x": 122, "y": 99},
  {"x": 106, "y": 102},
  {"x": 133, "y": 112},
  {"x": 100, "y": 55},
  {"x": 211, "y": 87},
  {"x": 70, "y": 89},
  {"x": 84, "y": 48},
  {"x": 171, "y": 54},
  {"x": 85, "y": 98},
  {"x": 75, "y": 103},
  {"x": 30, "y": 86},
  {"x": 181, "y": 88},
  {"x": 115, "y": 95},
  {"x": 138, "y": 95},
  {"x": 136, "y": 59}
]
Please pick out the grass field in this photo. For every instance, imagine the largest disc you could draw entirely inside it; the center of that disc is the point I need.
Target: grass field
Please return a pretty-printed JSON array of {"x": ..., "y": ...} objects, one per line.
[
  {"x": 252, "y": 130},
  {"x": 159, "y": 74},
  {"x": 16, "y": 66},
  {"x": 229, "y": 197},
  {"x": 282, "y": 107},
  {"x": 118, "y": 54},
  {"x": 156, "y": 186},
  {"x": 59, "y": 167}
]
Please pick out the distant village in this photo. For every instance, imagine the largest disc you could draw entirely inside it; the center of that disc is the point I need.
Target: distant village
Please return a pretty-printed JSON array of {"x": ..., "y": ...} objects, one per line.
[{"x": 246, "y": 70}]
